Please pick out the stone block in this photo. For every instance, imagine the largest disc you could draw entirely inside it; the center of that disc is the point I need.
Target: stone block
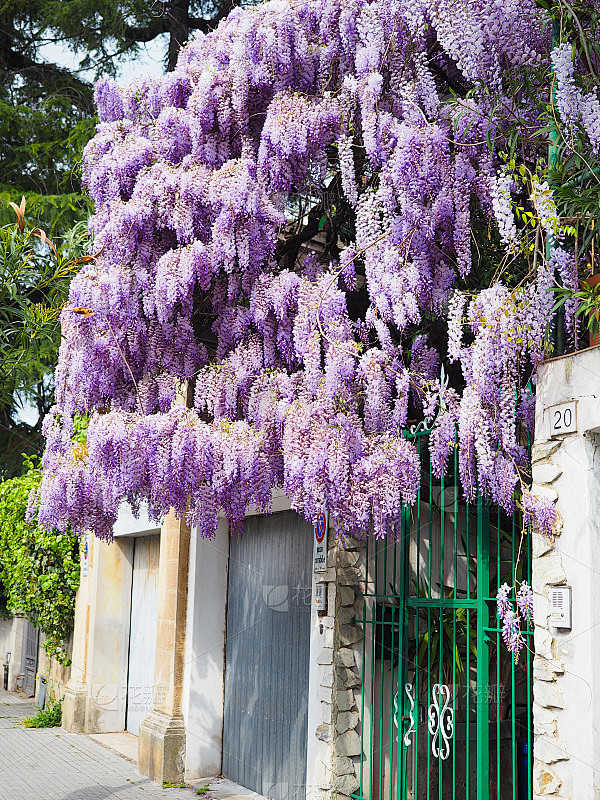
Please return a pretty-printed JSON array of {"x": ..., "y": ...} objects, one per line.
[
  {"x": 348, "y": 577},
  {"x": 324, "y": 694},
  {"x": 350, "y": 543},
  {"x": 350, "y": 634},
  {"x": 327, "y": 577},
  {"x": 546, "y": 729},
  {"x": 326, "y": 712},
  {"x": 540, "y": 608},
  {"x": 348, "y": 744},
  {"x": 546, "y": 669},
  {"x": 344, "y": 700},
  {"x": 548, "y": 695},
  {"x": 549, "y": 750},
  {"x": 547, "y": 571},
  {"x": 541, "y": 545},
  {"x": 347, "y": 678},
  {"x": 342, "y": 765},
  {"x": 543, "y": 642},
  {"x": 544, "y": 719},
  {"x": 327, "y": 637},
  {"x": 326, "y": 675},
  {"x": 346, "y": 721},
  {"x": 324, "y": 732},
  {"x": 345, "y": 784},
  {"x": 347, "y": 558},
  {"x": 545, "y": 780},
  {"x": 345, "y": 657},
  {"x": 539, "y": 452},
  {"x": 325, "y": 656},
  {"x": 346, "y": 614},
  {"x": 553, "y": 796},
  {"x": 546, "y": 473},
  {"x": 347, "y": 595},
  {"x": 547, "y": 492}
]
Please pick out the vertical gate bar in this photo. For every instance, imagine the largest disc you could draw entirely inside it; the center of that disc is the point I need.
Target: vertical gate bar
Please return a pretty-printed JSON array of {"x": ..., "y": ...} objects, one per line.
[
  {"x": 529, "y": 684},
  {"x": 427, "y": 700},
  {"x": 468, "y": 700},
  {"x": 364, "y": 667},
  {"x": 483, "y": 711},
  {"x": 373, "y": 663},
  {"x": 430, "y": 526},
  {"x": 403, "y": 636},
  {"x": 441, "y": 621},
  {"x": 417, "y": 688},
  {"x": 498, "y": 651},
  {"x": 512, "y": 682},
  {"x": 468, "y": 533},
  {"x": 392, "y": 543},
  {"x": 382, "y": 625},
  {"x": 417, "y": 615},
  {"x": 429, "y": 593},
  {"x": 400, "y": 695},
  {"x": 454, "y": 645}
]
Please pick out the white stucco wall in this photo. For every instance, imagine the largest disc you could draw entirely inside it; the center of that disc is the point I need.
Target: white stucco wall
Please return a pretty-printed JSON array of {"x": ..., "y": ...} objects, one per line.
[
  {"x": 567, "y": 663},
  {"x": 128, "y": 525}
]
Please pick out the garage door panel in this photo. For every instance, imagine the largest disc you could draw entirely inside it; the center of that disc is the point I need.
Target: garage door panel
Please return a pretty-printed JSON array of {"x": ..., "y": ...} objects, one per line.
[
  {"x": 142, "y": 636},
  {"x": 267, "y": 656}
]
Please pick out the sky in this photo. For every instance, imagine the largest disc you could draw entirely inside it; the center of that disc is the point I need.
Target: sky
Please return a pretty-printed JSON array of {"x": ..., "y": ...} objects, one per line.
[{"x": 148, "y": 64}]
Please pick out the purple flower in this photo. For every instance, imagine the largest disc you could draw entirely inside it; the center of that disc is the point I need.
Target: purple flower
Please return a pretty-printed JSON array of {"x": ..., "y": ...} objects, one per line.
[
  {"x": 525, "y": 602},
  {"x": 511, "y": 633},
  {"x": 540, "y": 511}
]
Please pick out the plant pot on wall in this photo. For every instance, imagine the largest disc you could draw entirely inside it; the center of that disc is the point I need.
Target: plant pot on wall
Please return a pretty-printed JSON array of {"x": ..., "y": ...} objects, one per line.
[{"x": 594, "y": 339}]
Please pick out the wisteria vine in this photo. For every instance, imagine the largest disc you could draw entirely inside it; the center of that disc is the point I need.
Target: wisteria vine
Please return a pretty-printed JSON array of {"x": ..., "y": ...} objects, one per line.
[{"x": 285, "y": 230}]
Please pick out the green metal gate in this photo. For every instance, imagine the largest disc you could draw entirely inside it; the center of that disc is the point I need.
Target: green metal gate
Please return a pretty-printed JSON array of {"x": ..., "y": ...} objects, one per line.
[{"x": 445, "y": 711}]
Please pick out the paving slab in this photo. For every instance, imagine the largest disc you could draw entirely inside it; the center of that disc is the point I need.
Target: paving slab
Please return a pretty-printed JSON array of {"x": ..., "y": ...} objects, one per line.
[
  {"x": 125, "y": 743},
  {"x": 51, "y": 764}
]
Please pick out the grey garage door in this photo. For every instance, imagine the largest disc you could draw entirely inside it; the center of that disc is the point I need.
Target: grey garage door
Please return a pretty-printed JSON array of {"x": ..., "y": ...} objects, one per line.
[{"x": 267, "y": 656}]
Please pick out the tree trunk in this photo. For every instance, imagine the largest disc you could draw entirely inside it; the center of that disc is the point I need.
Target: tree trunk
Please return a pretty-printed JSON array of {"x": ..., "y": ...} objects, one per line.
[{"x": 180, "y": 29}]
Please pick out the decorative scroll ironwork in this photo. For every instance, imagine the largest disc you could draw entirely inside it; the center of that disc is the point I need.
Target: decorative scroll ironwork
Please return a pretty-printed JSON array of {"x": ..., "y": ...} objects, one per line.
[
  {"x": 409, "y": 689},
  {"x": 441, "y": 721}
]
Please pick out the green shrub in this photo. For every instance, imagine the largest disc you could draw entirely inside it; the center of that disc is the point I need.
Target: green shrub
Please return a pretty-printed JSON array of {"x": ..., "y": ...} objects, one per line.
[
  {"x": 39, "y": 569},
  {"x": 48, "y": 717}
]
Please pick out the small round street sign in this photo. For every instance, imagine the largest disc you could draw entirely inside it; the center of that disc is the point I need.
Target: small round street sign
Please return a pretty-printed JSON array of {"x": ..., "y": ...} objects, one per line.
[{"x": 320, "y": 527}]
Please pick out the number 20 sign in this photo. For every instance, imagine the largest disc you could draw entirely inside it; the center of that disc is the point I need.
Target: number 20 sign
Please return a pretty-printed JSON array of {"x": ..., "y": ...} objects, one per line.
[{"x": 563, "y": 418}]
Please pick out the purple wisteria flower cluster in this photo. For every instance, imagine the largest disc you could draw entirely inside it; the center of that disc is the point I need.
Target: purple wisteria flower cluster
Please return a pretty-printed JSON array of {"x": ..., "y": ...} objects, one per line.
[
  {"x": 515, "y": 616},
  {"x": 218, "y": 274}
]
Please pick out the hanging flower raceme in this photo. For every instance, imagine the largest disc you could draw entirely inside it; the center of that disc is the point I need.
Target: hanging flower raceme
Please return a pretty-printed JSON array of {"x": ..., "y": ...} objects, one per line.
[
  {"x": 276, "y": 220},
  {"x": 515, "y": 616}
]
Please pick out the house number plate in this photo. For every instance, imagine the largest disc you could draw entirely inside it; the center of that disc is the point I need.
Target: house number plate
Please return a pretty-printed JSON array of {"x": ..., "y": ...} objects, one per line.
[{"x": 563, "y": 418}]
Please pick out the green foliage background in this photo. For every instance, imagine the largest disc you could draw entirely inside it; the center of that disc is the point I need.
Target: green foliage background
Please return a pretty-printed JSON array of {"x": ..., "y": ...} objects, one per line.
[{"x": 39, "y": 569}]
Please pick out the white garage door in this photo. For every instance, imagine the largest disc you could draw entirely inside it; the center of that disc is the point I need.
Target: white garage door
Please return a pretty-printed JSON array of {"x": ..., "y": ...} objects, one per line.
[{"x": 142, "y": 637}]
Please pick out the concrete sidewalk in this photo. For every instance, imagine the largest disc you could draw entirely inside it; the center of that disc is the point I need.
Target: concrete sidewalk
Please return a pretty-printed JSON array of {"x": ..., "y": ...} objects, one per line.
[{"x": 51, "y": 764}]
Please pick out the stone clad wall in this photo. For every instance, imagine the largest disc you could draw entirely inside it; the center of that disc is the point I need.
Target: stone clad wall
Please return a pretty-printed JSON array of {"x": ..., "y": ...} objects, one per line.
[
  {"x": 547, "y": 571},
  {"x": 339, "y": 665},
  {"x": 566, "y": 693}
]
